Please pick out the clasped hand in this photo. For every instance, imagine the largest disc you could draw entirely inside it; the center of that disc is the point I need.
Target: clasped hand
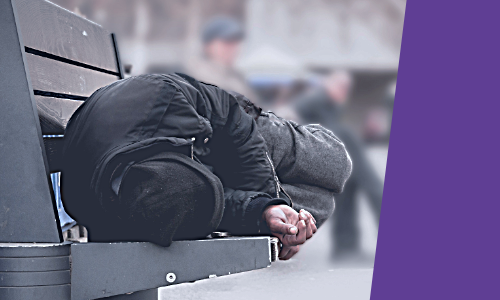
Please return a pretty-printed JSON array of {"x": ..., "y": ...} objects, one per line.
[{"x": 292, "y": 228}]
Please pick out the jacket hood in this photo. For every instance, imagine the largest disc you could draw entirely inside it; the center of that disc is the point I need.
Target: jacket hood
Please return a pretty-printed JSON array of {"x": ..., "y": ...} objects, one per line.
[{"x": 113, "y": 123}]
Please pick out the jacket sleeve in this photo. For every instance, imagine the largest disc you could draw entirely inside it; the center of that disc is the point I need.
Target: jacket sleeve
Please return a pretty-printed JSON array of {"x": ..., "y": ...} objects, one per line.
[
  {"x": 237, "y": 150},
  {"x": 311, "y": 162},
  {"x": 243, "y": 211},
  {"x": 238, "y": 156},
  {"x": 309, "y": 154},
  {"x": 318, "y": 201}
]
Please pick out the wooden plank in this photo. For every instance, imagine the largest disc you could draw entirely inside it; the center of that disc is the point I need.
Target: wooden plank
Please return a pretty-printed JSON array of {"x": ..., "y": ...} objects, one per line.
[
  {"x": 54, "y": 113},
  {"x": 50, "y": 28},
  {"x": 58, "y": 77}
]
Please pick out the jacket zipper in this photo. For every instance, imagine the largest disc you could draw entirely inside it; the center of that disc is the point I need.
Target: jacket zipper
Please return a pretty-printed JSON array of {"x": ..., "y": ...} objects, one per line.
[
  {"x": 276, "y": 180},
  {"x": 192, "y": 147}
]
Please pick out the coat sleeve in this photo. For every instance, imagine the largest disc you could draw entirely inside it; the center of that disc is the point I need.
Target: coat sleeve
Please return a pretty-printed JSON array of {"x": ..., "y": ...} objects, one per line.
[
  {"x": 243, "y": 211},
  {"x": 311, "y": 162},
  {"x": 306, "y": 154},
  {"x": 237, "y": 149},
  {"x": 238, "y": 156},
  {"x": 318, "y": 201}
]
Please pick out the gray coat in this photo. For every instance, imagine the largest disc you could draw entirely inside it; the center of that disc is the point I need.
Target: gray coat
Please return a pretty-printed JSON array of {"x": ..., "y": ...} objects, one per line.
[{"x": 311, "y": 163}]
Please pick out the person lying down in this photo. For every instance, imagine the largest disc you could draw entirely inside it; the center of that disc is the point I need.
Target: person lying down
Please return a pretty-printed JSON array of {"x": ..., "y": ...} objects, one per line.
[{"x": 160, "y": 158}]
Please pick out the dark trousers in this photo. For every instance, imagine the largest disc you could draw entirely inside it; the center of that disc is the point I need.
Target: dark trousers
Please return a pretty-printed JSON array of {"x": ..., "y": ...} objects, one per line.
[
  {"x": 346, "y": 232},
  {"x": 345, "y": 224}
]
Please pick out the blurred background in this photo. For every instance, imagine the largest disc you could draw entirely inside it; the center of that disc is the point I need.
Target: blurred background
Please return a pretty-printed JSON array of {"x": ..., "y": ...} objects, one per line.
[{"x": 332, "y": 62}]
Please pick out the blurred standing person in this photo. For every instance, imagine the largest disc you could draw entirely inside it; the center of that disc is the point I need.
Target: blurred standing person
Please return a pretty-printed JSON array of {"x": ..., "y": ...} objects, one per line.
[
  {"x": 325, "y": 105},
  {"x": 221, "y": 37}
]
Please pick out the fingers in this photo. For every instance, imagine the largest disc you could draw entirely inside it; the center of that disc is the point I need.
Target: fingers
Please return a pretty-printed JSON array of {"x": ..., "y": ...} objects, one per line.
[
  {"x": 284, "y": 252},
  {"x": 314, "y": 228},
  {"x": 299, "y": 239},
  {"x": 309, "y": 229},
  {"x": 290, "y": 251},
  {"x": 304, "y": 213},
  {"x": 312, "y": 217},
  {"x": 304, "y": 216},
  {"x": 313, "y": 222},
  {"x": 279, "y": 227},
  {"x": 310, "y": 222},
  {"x": 302, "y": 235}
]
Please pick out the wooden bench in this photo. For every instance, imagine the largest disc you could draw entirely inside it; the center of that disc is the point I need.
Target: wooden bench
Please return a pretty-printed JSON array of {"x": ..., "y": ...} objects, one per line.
[{"x": 51, "y": 60}]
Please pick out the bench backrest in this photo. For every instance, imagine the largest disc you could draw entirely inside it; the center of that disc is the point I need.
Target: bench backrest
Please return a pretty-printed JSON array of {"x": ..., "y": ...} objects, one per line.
[
  {"x": 51, "y": 60},
  {"x": 68, "y": 58}
]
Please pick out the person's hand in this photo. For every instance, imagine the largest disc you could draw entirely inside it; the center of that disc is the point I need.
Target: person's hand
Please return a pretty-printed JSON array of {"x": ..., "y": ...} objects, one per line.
[
  {"x": 292, "y": 228},
  {"x": 310, "y": 221},
  {"x": 287, "y": 252}
]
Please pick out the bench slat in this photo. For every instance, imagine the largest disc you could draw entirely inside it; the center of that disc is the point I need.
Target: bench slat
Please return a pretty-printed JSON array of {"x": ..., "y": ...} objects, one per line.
[
  {"x": 50, "y": 28},
  {"x": 54, "y": 113},
  {"x": 58, "y": 77}
]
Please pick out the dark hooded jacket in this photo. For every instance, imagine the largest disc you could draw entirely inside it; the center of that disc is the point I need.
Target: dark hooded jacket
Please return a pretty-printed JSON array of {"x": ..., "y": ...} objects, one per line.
[{"x": 130, "y": 119}]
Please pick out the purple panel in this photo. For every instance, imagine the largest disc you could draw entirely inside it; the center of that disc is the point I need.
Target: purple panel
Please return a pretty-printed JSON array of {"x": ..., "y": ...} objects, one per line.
[{"x": 439, "y": 228}]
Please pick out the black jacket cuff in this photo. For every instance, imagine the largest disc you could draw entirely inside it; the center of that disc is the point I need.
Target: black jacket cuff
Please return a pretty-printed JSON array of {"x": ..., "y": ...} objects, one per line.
[{"x": 254, "y": 210}]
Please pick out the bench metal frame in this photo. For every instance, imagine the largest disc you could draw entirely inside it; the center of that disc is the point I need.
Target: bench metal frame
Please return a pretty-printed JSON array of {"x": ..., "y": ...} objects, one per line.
[{"x": 35, "y": 262}]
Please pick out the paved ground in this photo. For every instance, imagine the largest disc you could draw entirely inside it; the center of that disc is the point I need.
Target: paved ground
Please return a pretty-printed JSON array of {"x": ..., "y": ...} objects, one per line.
[
  {"x": 309, "y": 275},
  {"x": 276, "y": 284}
]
